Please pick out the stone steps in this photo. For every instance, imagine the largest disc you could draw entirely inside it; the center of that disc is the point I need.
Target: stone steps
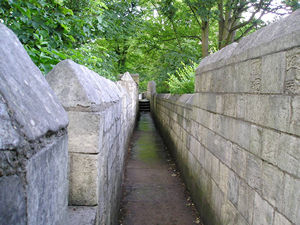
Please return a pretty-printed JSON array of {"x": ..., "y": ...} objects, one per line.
[{"x": 144, "y": 105}]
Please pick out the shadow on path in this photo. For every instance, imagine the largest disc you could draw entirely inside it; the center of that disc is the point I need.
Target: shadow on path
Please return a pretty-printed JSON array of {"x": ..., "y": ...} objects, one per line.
[{"x": 153, "y": 193}]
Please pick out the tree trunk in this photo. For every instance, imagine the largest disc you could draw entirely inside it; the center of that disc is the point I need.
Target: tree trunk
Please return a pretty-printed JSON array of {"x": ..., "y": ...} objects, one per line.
[
  {"x": 205, "y": 38},
  {"x": 122, "y": 51}
]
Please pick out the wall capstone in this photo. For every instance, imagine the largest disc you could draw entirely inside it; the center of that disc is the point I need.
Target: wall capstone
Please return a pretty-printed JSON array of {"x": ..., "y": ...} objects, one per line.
[
  {"x": 280, "y": 35},
  {"x": 151, "y": 89}
]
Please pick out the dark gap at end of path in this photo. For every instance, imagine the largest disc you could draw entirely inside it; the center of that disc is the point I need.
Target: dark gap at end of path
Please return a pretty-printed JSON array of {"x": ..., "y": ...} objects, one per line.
[{"x": 153, "y": 193}]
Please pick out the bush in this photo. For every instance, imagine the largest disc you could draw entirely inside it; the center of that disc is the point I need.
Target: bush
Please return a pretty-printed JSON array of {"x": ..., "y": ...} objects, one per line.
[{"x": 183, "y": 80}]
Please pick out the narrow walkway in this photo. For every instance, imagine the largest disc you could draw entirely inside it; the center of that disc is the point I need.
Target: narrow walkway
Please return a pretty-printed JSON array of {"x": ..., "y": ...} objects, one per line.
[{"x": 153, "y": 193}]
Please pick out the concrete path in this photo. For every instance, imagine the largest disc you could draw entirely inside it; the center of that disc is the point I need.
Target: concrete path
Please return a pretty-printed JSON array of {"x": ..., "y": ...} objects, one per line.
[{"x": 153, "y": 193}]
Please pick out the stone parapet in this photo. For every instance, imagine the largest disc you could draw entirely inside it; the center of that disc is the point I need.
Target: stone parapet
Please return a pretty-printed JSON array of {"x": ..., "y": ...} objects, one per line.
[
  {"x": 237, "y": 138},
  {"x": 102, "y": 116},
  {"x": 33, "y": 141},
  {"x": 264, "y": 62}
]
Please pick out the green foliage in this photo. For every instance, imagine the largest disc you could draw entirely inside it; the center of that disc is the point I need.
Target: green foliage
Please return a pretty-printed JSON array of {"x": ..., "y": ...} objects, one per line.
[
  {"x": 48, "y": 28},
  {"x": 95, "y": 56},
  {"x": 155, "y": 51},
  {"x": 114, "y": 36},
  {"x": 183, "y": 80},
  {"x": 292, "y": 4}
]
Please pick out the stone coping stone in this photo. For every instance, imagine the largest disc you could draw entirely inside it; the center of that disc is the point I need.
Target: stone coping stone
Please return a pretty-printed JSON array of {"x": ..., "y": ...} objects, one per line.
[
  {"x": 281, "y": 35},
  {"x": 151, "y": 89},
  {"x": 185, "y": 99},
  {"x": 144, "y": 100},
  {"x": 127, "y": 77},
  {"x": 79, "y": 87},
  {"x": 27, "y": 103},
  {"x": 122, "y": 90}
]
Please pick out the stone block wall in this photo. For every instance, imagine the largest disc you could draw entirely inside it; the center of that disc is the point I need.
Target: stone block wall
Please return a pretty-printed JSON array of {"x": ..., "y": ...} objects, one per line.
[
  {"x": 33, "y": 141},
  {"x": 237, "y": 139},
  {"x": 102, "y": 117}
]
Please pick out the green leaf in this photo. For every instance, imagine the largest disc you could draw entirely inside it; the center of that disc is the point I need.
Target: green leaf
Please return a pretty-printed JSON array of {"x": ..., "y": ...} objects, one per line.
[
  {"x": 65, "y": 26},
  {"x": 59, "y": 2},
  {"x": 66, "y": 11}
]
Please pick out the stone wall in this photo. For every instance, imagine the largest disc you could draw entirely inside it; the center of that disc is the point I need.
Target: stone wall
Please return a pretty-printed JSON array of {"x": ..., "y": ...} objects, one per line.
[
  {"x": 237, "y": 139},
  {"x": 102, "y": 117},
  {"x": 33, "y": 141}
]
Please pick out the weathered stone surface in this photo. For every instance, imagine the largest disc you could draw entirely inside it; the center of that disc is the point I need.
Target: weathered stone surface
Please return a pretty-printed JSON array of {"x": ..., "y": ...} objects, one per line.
[
  {"x": 253, "y": 172},
  {"x": 10, "y": 138},
  {"x": 13, "y": 206},
  {"x": 82, "y": 215},
  {"x": 126, "y": 77},
  {"x": 276, "y": 37},
  {"x": 263, "y": 212},
  {"x": 84, "y": 179},
  {"x": 151, "y": 89},
  {"x": 208, "y": 162},
  {"x": 238, "y": 161},
  {"x": 289, "y": 154},
  {"x": 241, "y": 107},
  {"x": 76, "y": 85},
  {"x": 256, "y": 75},
  {"x": 241, "y": 133},
  {"x": 280, "y": 220},
  {"x": 47, "y": 184},
  {"x": 292, "y": 80},
  {"x": 85, "y": 132},
  {"x": 217, "y": 199},
  {"x": 269, "y": 110},
  {"x": 273, "y": 73},
  {"x": 221, "y": 55},
  {"x": 255, "y": 140},
  {"x": 215, "y": 169},
  {"x": 102, "y": 116},
  {"x": 270, "y": 146},
  {"x": 230, "y": 104},
  {"x": 233, "y": 188},
  {"x": 136, "y": 78},
  {"x": 33, "y": 141},
  {"x": 245, "y": 115},
  {"x": 289, "y": 206},
  {"x": 229, "y": 214},
  {"x": 129, "y": 87},
  {"x": 246, "y": 201},
  {"x": 295, "y": 118},
  {"x": 272, "y": 184},
  {"x": 30, "y": 100},
  {"x": 206, "y": 101},
  {"x": 224, "y": 173}
]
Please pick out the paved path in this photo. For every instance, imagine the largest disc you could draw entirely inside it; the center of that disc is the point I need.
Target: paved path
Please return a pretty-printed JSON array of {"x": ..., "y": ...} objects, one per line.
[{"x": 153, "y": 193}]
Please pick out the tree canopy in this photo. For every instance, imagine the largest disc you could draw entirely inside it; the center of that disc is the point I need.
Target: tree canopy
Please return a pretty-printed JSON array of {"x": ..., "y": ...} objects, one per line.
[{"x": 159, "y": 39}]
